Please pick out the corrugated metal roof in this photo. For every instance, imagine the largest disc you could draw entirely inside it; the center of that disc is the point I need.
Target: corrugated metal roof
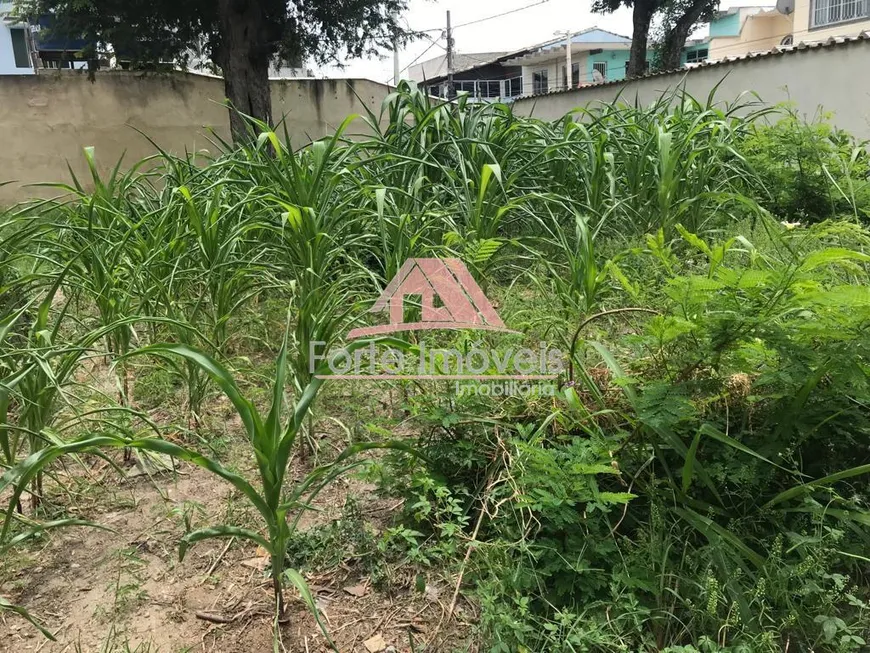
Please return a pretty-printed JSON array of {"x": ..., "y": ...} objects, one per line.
[{"x": 803, "y": 46}]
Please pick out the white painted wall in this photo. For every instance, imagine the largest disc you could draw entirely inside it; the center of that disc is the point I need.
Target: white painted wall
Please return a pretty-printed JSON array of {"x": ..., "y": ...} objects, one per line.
[
  {"x": 553, "y": 71},
  {"x": 833, "y": 79},
  {"x": 7, "y": 56},
  {"x": 554, "y": 68}
]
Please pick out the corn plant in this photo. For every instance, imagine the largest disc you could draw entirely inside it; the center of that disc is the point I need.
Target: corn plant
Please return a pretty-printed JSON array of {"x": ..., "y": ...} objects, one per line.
[
  {"x": 222, "y": 266},
  {"x": 216, "y": 273},
  {"x": 273, "y": 439},
  {"x": 316, "y": 226},
  {"x": 41, "y": 389},
  {"x": 94, "y": 230},
  {"x": 14, "y": 368}
]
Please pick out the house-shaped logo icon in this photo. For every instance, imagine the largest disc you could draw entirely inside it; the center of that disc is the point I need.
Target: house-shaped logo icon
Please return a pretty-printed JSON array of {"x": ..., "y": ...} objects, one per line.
[{"x": 462, "y": 303}]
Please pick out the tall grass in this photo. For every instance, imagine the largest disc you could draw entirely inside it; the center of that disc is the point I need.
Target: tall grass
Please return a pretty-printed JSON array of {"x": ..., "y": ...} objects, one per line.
[{"x": 185, "y": 249}]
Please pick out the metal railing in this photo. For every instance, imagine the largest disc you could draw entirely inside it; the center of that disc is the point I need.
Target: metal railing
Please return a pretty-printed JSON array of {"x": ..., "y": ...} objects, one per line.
[{"x": 484, "y": 90}]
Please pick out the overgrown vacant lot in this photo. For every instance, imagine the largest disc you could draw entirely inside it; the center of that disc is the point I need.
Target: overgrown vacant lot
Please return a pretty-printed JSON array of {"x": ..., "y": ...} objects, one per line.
[{"x": 181, "y": 472}]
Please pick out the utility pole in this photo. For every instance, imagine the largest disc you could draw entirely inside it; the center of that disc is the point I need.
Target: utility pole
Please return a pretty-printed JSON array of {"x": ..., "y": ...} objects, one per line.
[
  {"x": 396, "y": 71},
  {"x": 450, "y": 92},
  {"x": 569, "y": 78}
]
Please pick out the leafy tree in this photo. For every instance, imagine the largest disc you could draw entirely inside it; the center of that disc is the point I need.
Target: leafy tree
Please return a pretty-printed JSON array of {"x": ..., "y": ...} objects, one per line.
[
  {"x": 679, "y": 18},
  {"x": 641, "y": 17},
  {"x": 242, "y": 37}
]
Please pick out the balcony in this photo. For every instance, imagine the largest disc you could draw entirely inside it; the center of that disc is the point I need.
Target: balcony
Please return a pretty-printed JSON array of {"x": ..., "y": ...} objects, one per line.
[{"x": 484, "y": 90}]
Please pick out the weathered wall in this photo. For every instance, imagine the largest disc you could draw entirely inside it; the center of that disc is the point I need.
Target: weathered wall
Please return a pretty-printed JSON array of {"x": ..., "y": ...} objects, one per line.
[
  {"x": 833, "y": 77},
  {"x": 46, "y": 119}
]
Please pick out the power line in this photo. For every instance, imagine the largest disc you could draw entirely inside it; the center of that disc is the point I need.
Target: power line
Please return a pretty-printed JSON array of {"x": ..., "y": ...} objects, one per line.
[
  {"x": 471, "y": 22},
  {"x": 505, "y": 13},
  {"x": 420, "y": 56},
  {"x": 481, "y": 20}
]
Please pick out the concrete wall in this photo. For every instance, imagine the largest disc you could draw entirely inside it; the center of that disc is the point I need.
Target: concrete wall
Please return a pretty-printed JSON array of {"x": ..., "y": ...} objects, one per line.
[
  {"x": 46, "y": 119},
  {"x": 833, "y": 78}
]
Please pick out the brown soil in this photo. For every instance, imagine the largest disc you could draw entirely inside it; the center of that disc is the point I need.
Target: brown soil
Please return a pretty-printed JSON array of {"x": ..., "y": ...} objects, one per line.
[{"x": 116, "y": 591}]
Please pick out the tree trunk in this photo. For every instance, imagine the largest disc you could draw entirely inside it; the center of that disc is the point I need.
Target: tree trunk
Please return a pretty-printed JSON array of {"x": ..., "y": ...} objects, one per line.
[
  {"x": 641, "y": 17},
  {"x": 243, "y": 56},
  {"x": 675, "y": 38}
]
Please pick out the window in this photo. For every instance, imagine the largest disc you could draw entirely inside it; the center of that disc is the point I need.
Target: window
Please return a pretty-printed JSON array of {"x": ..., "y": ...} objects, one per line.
[
  {"x": 514, "y": 86},
  {"x": 829, "y": 12},
  {"x": 19, "y": 48},
  {"x": 540, "y": 81},
  {"x": 489, "y": 88},
  {"x": 575, "y": 75},
  {"x": 694, "y": 56},
  {"x": 601, "y": 68}
]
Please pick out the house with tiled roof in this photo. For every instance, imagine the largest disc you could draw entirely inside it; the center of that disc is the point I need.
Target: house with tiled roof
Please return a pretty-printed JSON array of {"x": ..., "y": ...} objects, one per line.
[
  {"x": 596, "y": 55},
  {"x": 739, "y": 31}
]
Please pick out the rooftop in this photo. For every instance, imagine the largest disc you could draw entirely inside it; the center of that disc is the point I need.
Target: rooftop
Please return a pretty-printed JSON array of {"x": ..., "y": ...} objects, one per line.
[{"x": 588, "y": 39}]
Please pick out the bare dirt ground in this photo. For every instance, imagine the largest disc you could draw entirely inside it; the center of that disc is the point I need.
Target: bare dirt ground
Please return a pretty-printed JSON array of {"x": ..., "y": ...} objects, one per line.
[{"x": 125, "y": 590}]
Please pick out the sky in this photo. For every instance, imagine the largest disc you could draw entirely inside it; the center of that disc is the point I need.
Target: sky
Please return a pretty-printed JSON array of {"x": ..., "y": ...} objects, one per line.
[{"x": 514, "y": 31}]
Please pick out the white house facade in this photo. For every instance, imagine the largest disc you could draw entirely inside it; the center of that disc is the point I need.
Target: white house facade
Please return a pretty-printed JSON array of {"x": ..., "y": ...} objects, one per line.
[{"x": 15, "y": 44}]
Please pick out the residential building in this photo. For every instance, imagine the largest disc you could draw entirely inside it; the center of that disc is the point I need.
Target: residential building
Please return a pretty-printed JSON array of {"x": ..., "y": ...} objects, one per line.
[
  {"x": 502, "y": 76},
  {"x": 740, "y": 30},
  {"x": 816, "y": 20},
  {"x": 54, "y": 51},
  {"x": 15, "y": 43},
  {"x": 484, "y": 76},
  {"x": 436, "y": 67},
  {"x": 25, "y": 47},
  {"x": 596, "y": 55},
  {"x": 743, "y": 30}
]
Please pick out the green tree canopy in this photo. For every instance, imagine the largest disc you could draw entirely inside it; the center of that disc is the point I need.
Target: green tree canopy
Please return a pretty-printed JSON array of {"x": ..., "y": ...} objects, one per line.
[{"x": 678, "y": 19}]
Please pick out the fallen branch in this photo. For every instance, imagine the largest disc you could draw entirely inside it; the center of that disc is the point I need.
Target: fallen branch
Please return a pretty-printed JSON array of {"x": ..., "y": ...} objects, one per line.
[
  {"x": 215, "y": 618},
  {"x": 217, "y": 560}
]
